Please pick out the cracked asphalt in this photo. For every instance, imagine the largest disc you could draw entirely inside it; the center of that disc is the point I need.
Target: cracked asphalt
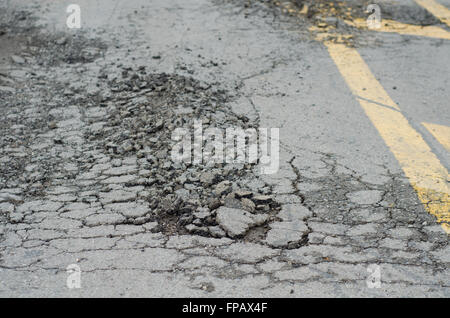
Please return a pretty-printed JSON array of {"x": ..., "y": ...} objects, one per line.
[{"x": 87, "y": 116}]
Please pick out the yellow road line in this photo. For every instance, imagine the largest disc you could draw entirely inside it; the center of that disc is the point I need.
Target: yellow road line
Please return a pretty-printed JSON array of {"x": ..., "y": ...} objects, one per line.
[
  {"x": 423, "y": 169},
  {"x": 304, "y": 9},
  {"x": 438, "y": 10},
  {"x": 441, "y": 133},
  {"x": 391, "y": 26}
]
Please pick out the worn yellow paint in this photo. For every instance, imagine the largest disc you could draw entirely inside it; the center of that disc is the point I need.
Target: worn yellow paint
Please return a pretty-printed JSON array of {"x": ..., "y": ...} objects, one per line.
[
  {"x": 426, "y": 174},
  {"x": 304, "y": 10},
  {"x": 391, "y": 26},
  {"x": 446, "y": 227},
  {"x": 437, "y": 9},
  {"x": 441, "y": 133}
]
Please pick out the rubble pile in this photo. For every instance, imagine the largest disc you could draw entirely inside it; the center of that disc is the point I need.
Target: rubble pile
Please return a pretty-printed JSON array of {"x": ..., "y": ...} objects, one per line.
[{"x": 143, "y": 110}]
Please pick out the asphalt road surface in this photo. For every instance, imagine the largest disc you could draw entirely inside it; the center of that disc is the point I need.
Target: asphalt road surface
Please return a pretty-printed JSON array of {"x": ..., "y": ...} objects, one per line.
[{"x": 91, "y": 203}]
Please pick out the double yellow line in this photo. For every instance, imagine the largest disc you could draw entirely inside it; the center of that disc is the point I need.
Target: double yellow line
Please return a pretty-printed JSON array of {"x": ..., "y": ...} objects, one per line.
[{"x": 427, "y": 175}]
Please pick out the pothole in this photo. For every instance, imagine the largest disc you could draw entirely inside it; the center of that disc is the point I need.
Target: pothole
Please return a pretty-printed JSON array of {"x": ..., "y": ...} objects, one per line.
[{"x": 144, "y": 109}]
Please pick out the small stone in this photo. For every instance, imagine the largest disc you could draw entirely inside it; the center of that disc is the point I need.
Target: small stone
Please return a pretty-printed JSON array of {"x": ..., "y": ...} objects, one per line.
[
  {"x": 125, "y": 147},
  {"x": 61, "y": 41},
  {"x": 185, "y": 219},
  {"x": 331, "y": 20},
  {"x": 315, "y": 238},
  {"x": 223, "y": 188},
  {"x": 183, "y": 194},
  {"x": 161, "y": 154},
  {"x": 52, "y": 125},
  {"x": 151, "y": 226},
  {"x": 231, "y": 202},
  {"x": 262, "y": 199},
  {"x": 17, "y": 59},
  {"x": 202, "y": 213},
  {"x": 243, "y": 194},
  {"x": 216, "y": 231},
  {"x": 116, "y": 163},
  {"x": 191, "y": 228},
  {"x": 15, "y": 217},
  {"x": 208, "y": 178},
  {"x": 285, "y": 234},
  {"x": 293, "y": 212},
  {"x": 237, "y": 222},
  {"x": 262, "y": 207},
  {"x": 6, "y": 207},
  {"x": 214, "y": 204},
  {"x": 248, "y": 205},
  {"x": 159, "y": 124}
]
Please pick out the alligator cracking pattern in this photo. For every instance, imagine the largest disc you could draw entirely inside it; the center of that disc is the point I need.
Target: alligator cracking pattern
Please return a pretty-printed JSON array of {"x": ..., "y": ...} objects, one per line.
[{"x": 76, "y": 188}]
